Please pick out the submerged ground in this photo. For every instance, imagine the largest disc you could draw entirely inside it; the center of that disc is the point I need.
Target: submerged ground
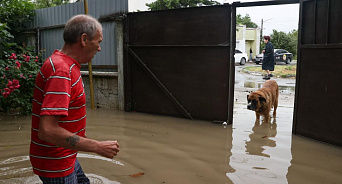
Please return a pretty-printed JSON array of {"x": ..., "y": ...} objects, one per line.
[{"x": 159, "y": 149}]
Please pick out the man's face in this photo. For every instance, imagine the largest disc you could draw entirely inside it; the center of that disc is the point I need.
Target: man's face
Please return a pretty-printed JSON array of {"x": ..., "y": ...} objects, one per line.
[{"x": 93, "y": 46}]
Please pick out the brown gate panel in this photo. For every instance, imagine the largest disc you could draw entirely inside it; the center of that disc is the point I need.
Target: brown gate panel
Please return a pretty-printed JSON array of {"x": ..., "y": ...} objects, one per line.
[
  {"x": 177, "y": 62},
  {"x": 317, "y": 105}
]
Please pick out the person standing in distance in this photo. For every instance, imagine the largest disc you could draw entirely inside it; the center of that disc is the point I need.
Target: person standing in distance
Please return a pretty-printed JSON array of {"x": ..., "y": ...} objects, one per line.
[
  {"x": 250, "y": 54},
  {"x": 268, "y": 60},
  {"x": 59, "y": 109}
]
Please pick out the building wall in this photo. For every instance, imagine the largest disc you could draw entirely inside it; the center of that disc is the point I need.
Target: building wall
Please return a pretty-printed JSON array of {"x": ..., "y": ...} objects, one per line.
[
  {"x": 247, "y": 38},
  {"x": 241, "y": 37}
]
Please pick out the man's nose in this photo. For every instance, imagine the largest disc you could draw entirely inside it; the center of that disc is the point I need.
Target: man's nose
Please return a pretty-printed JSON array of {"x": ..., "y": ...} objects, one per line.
[{"x": 99, "y": 49}]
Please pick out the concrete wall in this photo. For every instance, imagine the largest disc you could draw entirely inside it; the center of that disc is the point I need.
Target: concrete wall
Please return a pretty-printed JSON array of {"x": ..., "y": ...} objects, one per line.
[{"x": 105, "y": 89}]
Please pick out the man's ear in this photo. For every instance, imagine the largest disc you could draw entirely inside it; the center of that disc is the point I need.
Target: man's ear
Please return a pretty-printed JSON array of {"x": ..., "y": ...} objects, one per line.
[{"x": 84, "y": 39}]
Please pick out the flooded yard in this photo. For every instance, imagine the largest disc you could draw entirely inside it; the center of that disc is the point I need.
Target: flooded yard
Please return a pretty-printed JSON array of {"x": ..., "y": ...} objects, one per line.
[{"x": 159, "y": 149}]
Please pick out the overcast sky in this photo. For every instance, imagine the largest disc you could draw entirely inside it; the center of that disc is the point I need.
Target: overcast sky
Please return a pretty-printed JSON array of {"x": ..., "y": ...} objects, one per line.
[{"x": 279, "y": 17}]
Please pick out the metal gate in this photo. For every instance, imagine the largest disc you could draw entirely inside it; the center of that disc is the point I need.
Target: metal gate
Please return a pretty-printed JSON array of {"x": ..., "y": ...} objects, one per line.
[
  {"x": 318, "y": 109},
  {"x": 177, "y": 63}
]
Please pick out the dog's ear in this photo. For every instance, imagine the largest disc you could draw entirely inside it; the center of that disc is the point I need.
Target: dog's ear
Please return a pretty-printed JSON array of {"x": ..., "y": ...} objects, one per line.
[{"x": 262, "y": 99}]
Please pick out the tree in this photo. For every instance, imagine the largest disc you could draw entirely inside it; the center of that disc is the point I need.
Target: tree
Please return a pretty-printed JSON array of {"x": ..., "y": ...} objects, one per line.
[
  {"x": 173, "y": 4},
  {"x": 287, "y": 41},
  {"x": 14, "y": 15},
  {"x": 50, "y": 3},
  {"x": 246, "y": 20}
]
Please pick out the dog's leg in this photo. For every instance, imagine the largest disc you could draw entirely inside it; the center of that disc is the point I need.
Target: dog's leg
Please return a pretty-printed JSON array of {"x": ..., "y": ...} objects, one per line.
[
  {"x": 267, "y": 118},
  {"x": 257, "y": 122},
  {"x": 257, "y": 116},
  {"x": 275, "y": 108},
  {"x": 276, "y": 102}
]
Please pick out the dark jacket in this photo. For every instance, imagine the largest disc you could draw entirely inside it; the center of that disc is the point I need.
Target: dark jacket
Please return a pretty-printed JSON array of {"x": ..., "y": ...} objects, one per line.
[{"x": 268, "y": 61}]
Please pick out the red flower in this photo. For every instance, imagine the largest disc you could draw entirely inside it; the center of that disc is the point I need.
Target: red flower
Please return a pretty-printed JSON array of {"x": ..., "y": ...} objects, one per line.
[
  {"x": 10, "y": 86},
  {"x": 10, "y": 83},
  {"x": 18, "y": 64},
  {"x": 27, "y": 59},
  {"x": 36, "y": 57},
  {"x": 30, "y": 76},
  {"x": 4, "y": 76},
  {"x": 13, "y": 56},
  {"x": 24, "y": 55},
  {"x": 6, "y": 93},
  {"x": 36, "y": 60},
  {"x": 15, "y": 84},
  {"x": 7, "y": 68},
  {"x": 22, "y": 76}
]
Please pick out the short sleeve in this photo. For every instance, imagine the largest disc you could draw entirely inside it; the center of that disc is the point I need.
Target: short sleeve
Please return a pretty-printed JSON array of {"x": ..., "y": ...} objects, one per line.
[{"x": 57, "y": 94}]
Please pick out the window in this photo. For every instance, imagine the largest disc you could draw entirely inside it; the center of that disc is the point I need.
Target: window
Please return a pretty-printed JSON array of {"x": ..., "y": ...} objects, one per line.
[{"x": 237, "y": 51}]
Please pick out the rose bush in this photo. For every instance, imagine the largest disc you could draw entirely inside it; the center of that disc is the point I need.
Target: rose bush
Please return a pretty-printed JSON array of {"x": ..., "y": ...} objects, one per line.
[{"x": 17, "y": 80}]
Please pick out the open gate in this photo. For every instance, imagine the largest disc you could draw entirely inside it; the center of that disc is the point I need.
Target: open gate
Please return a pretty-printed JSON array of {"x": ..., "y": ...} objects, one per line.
[
  {"x": 319, "y": 75},
  {"x": 180, "y": 63},
  {"x": 177, "y": 63}
]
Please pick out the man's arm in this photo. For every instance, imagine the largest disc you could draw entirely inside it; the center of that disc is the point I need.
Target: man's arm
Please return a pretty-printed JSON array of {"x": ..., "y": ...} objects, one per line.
[{"x": 50, "y": 131}]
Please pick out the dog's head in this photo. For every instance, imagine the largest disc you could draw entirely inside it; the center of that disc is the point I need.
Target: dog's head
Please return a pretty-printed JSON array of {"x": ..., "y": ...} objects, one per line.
[{"x": 255, "y": 101}]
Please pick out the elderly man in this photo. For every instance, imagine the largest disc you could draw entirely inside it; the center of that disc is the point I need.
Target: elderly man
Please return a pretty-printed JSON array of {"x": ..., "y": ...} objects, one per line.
[{"x": 59, "y": 112}]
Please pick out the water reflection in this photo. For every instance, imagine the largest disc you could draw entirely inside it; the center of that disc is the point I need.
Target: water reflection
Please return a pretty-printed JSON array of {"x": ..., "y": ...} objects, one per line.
[
  {"x": 261, "y": 137},
  {"x": 260, "y": 152}
]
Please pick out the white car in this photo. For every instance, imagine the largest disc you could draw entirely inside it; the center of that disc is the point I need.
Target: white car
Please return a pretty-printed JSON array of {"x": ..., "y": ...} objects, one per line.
[{"x": 240, "y": 57}]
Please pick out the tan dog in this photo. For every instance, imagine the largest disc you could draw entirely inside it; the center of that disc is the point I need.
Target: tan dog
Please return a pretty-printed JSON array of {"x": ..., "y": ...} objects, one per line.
[{"x": 262, "y": 100}]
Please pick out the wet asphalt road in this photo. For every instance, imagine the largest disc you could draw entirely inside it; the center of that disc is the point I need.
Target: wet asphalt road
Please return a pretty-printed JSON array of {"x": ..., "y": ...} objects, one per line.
[{"x": 253, "y": 82}]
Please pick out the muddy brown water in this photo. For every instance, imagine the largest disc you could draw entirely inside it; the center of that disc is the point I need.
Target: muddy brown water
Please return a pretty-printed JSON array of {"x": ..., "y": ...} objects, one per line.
[{"x": 181, "y": 151}]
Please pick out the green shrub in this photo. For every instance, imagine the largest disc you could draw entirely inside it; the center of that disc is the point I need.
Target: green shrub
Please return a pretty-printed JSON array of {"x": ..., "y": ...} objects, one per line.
[{"x": 17, "y": 80}]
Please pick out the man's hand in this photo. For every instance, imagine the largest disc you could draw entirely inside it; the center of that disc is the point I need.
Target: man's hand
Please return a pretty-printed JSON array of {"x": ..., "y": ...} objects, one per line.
[
  {"x": 108, "y": 149},
  {"x": 263, "y": 51}
]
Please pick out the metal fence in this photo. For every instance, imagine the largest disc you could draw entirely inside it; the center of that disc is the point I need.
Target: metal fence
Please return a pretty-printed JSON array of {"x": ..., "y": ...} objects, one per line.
[{"x": 49, "y": 24}]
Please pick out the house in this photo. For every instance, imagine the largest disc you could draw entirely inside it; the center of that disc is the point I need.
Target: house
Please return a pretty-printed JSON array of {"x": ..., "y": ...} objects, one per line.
[{"x": 247, "y": 38}]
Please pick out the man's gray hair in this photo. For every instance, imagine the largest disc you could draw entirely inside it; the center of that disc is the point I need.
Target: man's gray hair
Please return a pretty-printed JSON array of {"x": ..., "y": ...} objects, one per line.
[{"x": 78, "y": 25}]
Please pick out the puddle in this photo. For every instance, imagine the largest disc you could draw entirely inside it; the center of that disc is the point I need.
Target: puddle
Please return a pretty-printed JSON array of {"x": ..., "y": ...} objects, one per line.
[
  {"x": 174, "y": 150},
  {"x": 258, "y": 84}
]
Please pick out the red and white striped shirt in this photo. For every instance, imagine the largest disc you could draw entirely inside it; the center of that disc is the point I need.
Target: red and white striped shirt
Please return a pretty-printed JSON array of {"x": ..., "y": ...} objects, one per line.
[{"x": 59, "y": 91}]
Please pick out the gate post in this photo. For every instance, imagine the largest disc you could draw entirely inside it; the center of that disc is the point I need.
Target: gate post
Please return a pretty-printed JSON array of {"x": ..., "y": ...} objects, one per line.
[
  {"x": 120, "y": 60},
  {"x": 231, "y": 77}
]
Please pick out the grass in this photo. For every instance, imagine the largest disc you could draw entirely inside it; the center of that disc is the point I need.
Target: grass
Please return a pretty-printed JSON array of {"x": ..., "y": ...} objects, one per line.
[{"x": 281, "y": 71}]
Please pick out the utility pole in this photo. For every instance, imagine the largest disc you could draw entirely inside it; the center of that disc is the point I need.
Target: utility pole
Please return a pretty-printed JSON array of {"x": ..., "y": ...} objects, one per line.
[{"x": 262, "y": 28}]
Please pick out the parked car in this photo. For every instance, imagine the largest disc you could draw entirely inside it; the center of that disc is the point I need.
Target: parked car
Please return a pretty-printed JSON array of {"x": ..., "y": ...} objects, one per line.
[
  {"x": 240, "y": 57},
  {"x": 280, "y": 55}
]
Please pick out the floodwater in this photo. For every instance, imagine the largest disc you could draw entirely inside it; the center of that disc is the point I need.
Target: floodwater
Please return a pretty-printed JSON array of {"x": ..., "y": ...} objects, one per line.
[{"x": 158, "y": 149}]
